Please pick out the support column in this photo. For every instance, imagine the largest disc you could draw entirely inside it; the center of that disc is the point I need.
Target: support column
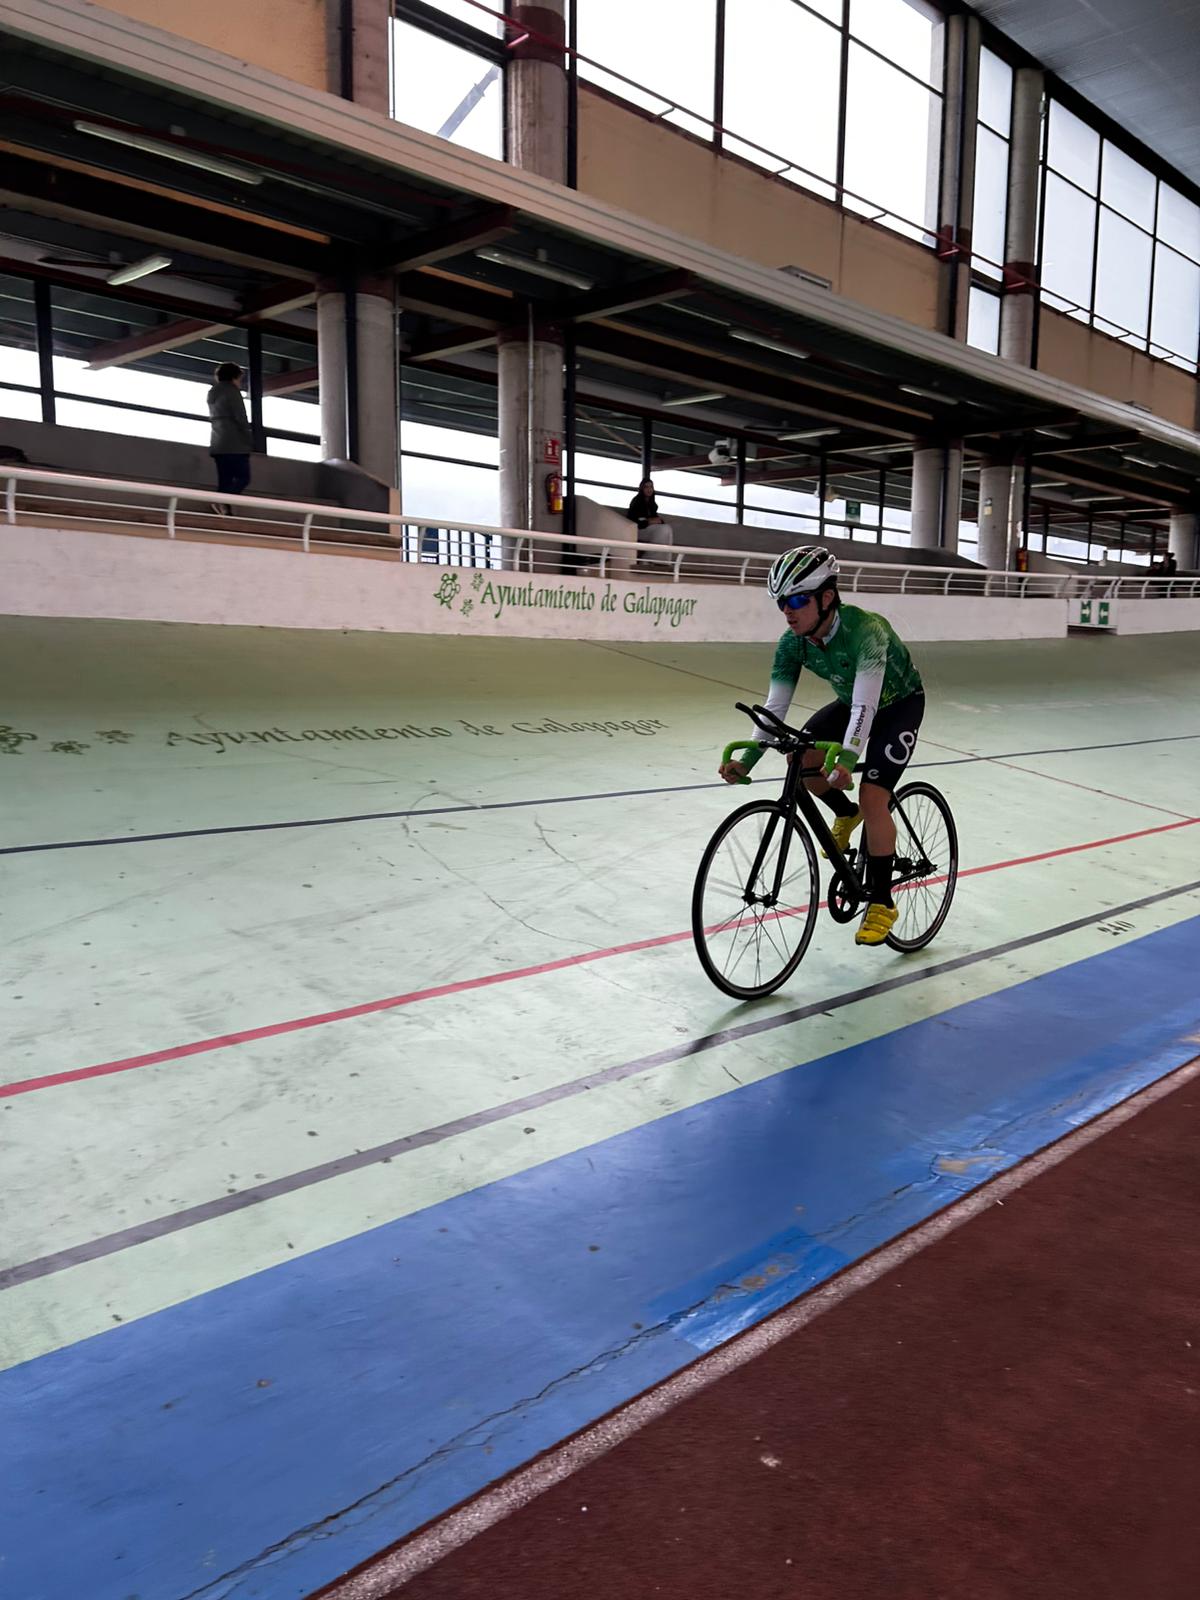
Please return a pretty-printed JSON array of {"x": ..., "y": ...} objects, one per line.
[
  {"x": 356, "y": 327},
  {"x": 530, "y": 359},
  {"x": 952, "y": 476},
  {"x": 995, "y": 502},
  {"x": 927, "y": 498},
  {"x": 531, "y": 428},
  {"x": 957, "y": 188},
  {"x": 1183, "y": 540},
  {"x": 1018, "y": 308}
]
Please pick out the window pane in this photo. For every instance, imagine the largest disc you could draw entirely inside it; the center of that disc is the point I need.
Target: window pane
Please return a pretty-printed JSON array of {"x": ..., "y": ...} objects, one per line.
[
  {"x": 444, "y": 90},
  {"x": 1067, "y": 242},
  {"x": 995, "y": 92},
  {"x": 1175, "y": 326},
  {"x": 1074, "y": 148},
  {"x": 763, "y": 41},
  {"x": 18, "y": 354},
  {"x": 905, "y": 32},
  {"x": 1179, "y": 222},
  {"x": 446, "y": 492},
  {"x": 892, "y": 131},
  {"x": 991, "y": 202},
  {"x": 1127, "y": 187},
  {"x": 649, "y": 44},
  {"x": 473, "y": 16},
  {"x": 1123, "y": 277},
  {"x": 137, "y": 424},
  {"x": 983, "y": 321}
]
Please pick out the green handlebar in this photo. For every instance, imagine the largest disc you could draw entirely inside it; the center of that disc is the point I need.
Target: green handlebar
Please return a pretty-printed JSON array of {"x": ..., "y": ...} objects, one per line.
[
  {"x": 739, "y": 744},
  {"x": 834, "y": 752}
]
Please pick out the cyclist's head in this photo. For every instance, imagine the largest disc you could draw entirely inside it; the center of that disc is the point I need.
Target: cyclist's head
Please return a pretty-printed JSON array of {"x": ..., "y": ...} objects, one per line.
[{"x": 803, "y": 584}]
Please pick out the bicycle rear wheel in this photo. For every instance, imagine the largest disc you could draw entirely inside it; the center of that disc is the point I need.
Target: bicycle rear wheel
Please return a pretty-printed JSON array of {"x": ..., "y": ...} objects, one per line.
[
  {"x": 755, "y": 900},
  {"x": 926, "y": 864}
]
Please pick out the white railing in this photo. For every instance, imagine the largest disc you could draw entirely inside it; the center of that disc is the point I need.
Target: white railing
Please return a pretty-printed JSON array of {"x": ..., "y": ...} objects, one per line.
[{"x": 34, "y": 496}]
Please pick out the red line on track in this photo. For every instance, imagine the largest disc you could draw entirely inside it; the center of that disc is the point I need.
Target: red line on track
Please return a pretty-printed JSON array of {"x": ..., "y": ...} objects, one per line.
[{"x": 367, "y": 1008}]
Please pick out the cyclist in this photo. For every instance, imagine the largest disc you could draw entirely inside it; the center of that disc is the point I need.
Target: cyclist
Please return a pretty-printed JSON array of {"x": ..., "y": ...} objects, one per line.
[{"x": 874, "y": 720}]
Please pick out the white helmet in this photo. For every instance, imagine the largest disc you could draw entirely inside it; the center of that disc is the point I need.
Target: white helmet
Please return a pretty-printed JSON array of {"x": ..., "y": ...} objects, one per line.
[{"x": 806, "y": 570}]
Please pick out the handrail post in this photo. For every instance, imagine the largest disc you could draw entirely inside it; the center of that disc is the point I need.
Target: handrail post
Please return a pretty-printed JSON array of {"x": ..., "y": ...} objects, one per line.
[
  {"x": 305, "y": 530},
  {"x": 171, "y": 504},
  {"x": 742, "y": 573},
  {"x": 602, "y": 569},
  {"x": 10, "y": 501},
  {"x": 678, "y": 564}
]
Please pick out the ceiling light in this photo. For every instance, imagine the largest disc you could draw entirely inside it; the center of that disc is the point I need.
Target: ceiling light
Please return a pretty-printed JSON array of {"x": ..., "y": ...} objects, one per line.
[
  {"x": 138, "y": 269},
  {"x": 809, "y": 433},
  {"x": 747, "y": 337},
  {"x": 1056, "y": 433},
  {"x": 1141, "y": 461},
  {"x": 538, "y": 269},
  {"x": 172, "y": 152},
  {"x": 928, "y": 394},
  {"x": 1094, "y": 499},
  {"x": 1055, "y": 483},
  {"x": 695, "y": 399}
]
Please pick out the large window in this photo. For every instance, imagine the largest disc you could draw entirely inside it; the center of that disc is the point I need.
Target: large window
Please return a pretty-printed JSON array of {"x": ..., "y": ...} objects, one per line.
[
  {"x": 1120, "y": 248},
  {"x": 162, "y": 396},
  {"x": 663, "y": 52},
  {"x": 795, "y": 135},
  {"x": 780, "y": 66},
  {"x": 452, "y": 86}
]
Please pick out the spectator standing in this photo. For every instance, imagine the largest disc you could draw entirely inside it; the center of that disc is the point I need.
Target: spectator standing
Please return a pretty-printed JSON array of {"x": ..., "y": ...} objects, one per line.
[{"x": 231, "y": 440}]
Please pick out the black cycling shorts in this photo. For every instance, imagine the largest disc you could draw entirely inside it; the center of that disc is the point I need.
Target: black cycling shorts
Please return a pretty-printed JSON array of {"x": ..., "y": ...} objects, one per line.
[{"x": 892, "y": 742}]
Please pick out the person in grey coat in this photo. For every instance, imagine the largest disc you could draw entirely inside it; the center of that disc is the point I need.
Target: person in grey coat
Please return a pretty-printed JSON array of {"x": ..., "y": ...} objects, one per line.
[{"x": 231, "y": 441}]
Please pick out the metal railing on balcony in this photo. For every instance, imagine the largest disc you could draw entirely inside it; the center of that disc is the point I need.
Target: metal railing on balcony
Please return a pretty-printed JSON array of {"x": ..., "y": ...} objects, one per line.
[{"x": 38, "y": 497}]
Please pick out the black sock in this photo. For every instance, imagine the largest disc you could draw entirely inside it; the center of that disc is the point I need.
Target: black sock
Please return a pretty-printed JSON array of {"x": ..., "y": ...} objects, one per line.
[
  {"x": 879, "y": 880},
  {"x": 839, "y": 802}
]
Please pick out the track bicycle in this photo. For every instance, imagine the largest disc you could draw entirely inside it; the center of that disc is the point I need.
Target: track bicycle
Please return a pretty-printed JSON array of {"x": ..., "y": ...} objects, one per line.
[{"x": 757, "y": 890}]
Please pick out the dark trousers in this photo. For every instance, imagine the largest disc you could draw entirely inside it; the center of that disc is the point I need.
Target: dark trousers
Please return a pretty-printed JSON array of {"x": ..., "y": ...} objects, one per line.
[{"x": 233, "y": 473}]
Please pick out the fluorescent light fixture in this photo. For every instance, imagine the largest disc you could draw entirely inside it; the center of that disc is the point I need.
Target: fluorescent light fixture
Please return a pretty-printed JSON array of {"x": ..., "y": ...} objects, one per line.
[
  {"x": 745, "y": 336},
  {"x": 538, "y": 269},
  {"x": 695, "y": 399},
  {"x": 928, "y": 394},
  {"x": 1141, "y": 461},
  {"x": 1055, "y": 483},
  {"x": 172, "y": 152},
  {"x": 138, "y": 269},
  {"x": 809, "y": 433},
  {"x": 1056, "y": 433},
  {"x": 1094, "y": 499}
]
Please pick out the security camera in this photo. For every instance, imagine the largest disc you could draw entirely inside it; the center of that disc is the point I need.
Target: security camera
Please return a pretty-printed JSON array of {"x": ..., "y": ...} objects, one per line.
[{"x": 721, "y": 453}]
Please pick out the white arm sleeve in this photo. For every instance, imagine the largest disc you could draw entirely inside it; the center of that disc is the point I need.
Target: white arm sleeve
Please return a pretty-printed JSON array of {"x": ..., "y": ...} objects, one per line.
[
  {"x": 868, "y": 686},
  {"x": 778, "y": 702}
]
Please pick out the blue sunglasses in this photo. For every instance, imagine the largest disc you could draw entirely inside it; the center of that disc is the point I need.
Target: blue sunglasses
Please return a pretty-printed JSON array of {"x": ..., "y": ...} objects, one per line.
[{"x": 794, "y": 602}]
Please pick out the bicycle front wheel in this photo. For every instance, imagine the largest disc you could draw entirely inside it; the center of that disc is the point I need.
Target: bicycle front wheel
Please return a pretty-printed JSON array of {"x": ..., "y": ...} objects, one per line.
[
  {"x": 926, "y": 864},
  {"x": 755, "y": 900}
]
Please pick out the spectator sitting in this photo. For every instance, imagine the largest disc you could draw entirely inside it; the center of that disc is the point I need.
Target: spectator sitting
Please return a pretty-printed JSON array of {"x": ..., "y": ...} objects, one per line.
[
  {"x": 231, "y": 441},
  {"x": 643, "y": 509}
]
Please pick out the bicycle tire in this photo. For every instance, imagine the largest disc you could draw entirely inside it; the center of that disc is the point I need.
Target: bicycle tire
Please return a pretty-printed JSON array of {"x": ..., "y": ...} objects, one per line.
[
  {"x": 803, "y": 916},
  {"x": 925, "y": 915}
]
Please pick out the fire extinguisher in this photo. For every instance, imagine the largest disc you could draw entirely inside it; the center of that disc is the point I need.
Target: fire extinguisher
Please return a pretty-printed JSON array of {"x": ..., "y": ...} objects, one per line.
[{"x": 554, "y": 501}]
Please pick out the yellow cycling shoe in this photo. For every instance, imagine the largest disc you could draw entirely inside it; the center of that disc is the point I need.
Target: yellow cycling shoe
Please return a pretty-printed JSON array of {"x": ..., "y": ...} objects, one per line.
[
  {"x": 876, "y": 924},
  {"x": 842, "y": 829}
]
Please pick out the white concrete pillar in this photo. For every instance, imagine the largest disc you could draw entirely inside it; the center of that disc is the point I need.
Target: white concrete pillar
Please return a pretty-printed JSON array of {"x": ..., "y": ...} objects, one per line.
[
  {"x": 331, "y": 374},
  {"x": 927, "y": 498},
  {"x": 531, "y": 428},
  {"x": 1182, "y": 538},
  {"x": 957, "y": 189},
  {"x": 951, "y": 497},
  {"x": 536, "y": 91},
  {"x": 1020, "y": 241},
  {"x": 530, "y": 359},
  {"x": 359, "y": 66},
  {"x": 995, "y": 501}
]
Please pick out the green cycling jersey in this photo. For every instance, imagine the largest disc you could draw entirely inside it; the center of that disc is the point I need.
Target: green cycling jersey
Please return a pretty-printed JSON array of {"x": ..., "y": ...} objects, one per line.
[{"x": 863, "y": 660}]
